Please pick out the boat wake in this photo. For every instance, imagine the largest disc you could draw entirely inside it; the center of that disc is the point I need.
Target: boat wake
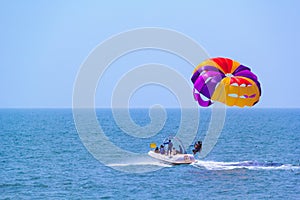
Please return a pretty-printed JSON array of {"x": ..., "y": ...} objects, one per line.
[
  {"x": 160, "y": 164},
  {"x": 142, "y": 164},
  {"x": 251, "y": 165}
]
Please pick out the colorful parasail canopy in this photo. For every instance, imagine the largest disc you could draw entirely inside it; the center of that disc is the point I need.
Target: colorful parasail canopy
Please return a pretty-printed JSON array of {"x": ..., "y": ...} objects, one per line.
[{"x": 227, "y": 81}]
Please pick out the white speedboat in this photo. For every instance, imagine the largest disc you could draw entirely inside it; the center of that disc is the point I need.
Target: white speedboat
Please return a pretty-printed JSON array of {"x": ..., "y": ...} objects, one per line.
[{"x": 178, "y": 154}]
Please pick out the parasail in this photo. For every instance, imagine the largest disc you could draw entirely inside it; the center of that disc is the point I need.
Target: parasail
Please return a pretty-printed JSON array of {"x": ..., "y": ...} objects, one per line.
[{"x": 227, "y": 81}]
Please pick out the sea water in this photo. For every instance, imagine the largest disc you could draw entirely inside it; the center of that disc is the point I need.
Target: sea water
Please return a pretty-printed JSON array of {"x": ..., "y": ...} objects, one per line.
[{"x": 257, "y": 156}]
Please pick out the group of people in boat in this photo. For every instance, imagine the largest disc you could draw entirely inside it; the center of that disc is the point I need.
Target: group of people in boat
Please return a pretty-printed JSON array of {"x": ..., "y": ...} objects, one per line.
[{"x": 171, "y": 150}]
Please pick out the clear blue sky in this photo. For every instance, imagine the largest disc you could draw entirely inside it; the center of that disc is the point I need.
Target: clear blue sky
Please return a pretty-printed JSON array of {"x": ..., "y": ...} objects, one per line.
[{"x": 43, "y": 44}]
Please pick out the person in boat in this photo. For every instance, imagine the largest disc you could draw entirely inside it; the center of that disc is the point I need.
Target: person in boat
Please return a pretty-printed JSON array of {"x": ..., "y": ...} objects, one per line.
[
  {"x": 162, "y": 149},
  {"x": 197, "y": 147},
  {"x": 156, "y": 150},
  {"x": 180, "y": 149},
  {"x": 170, "y": 146}
]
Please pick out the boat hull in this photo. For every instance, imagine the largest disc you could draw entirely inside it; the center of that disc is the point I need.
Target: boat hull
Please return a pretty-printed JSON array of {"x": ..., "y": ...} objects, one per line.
[{"x": 173, "y": 159}]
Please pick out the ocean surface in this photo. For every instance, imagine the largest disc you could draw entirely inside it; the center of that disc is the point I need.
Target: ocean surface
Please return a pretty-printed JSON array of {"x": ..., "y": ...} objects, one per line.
[{"x": 42, "y": 156}]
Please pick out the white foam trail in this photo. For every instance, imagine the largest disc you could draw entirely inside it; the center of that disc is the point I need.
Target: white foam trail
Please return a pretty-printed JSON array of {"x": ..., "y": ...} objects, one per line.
[
  {"x": 251, "y": 165},
  {"x": 139, "y": 164}
]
